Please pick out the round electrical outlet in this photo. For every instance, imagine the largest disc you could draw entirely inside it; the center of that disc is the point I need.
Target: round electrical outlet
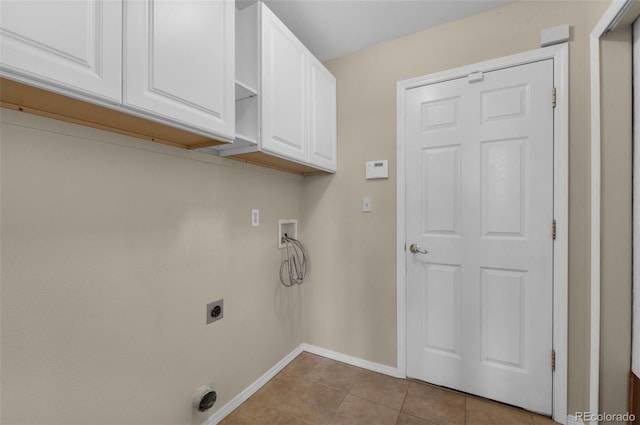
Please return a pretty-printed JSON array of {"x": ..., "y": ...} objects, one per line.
[{"x": 215, "y": 309}]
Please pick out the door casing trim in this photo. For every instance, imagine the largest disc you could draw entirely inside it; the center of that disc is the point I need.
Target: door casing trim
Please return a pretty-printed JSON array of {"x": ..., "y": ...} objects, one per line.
[
  {"x": 611, "y": 17},
  {"x": 560, "y": 56}
]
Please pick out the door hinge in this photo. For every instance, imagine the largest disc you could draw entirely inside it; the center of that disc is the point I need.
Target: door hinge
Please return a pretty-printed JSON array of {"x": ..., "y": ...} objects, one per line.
[
  {"x": 553, "y": 360},
  {"x": 553, "y": 230},
  {"x": 553, "y": 97}
]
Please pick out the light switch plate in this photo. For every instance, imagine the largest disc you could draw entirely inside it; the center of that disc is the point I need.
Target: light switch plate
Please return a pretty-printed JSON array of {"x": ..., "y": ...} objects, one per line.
[{"x": 366, "y": 204}]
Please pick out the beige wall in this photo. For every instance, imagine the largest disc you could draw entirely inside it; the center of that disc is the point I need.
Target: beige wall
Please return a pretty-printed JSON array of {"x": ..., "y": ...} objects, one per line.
[
  {"x": 350, "y": 302},
  {"x": 111, "y": 249}
]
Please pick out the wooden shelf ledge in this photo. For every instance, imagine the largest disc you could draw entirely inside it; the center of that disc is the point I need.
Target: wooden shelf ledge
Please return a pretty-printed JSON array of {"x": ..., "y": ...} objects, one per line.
[{"x": 33, "y": 100}]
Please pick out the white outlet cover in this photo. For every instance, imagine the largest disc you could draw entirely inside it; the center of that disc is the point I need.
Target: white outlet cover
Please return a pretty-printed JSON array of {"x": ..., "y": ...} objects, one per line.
[{"x": 255, "y": 218}]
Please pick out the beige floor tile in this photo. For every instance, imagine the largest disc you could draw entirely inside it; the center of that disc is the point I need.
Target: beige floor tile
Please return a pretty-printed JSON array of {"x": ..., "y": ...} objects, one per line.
[
  {"x": 313, "y": 390},
  {"x": 276, "y": 389},
  {"x": 484, "y": 412},
  {"x": 357, "y": 411},
  {"x": 259, "y": 412},
  {"x": 405, "y": 419},
  {"x": 382, "y": 389},
  {"x": 334, "y": 374},
  {"x": 301, "y": 364},
  {"x": 542, "y": 420},
  {"x": 434, "y": 404},
  {"x": 312, "y": 402}
]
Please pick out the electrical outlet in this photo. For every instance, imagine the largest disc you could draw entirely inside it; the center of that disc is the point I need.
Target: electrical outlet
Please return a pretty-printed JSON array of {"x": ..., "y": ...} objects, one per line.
[
  {"x": 215, "y": 311},
  {"x": 255, "y": 218}
]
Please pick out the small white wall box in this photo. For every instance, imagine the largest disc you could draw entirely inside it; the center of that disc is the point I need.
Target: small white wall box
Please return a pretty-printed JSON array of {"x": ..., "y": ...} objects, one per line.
[
  {"x": 555, "y": 35},
  {"x": 377, "y": 169},
  {"x": 289, "y": 227}
]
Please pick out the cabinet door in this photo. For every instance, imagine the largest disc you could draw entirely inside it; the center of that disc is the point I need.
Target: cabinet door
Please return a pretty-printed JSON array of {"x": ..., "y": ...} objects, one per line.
[
  {"x": 284, "y": 71},
  {"x": 180, "y": 63},
  {"x": 73, "y": 47},
  {"x": 322, "y": 116}
]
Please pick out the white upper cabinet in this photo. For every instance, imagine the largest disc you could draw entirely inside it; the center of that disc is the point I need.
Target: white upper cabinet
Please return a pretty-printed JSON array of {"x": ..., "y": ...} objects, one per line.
[
  {"x": 294, "y": 115},
  {"x": 172, "y": 63},
  {"x": 322, "y": 116},
  {"x": 284, "y": 90},
  {"x": 164, "y": 62},
  {"x": 179, "y": 62},
  {"x": 69, "y": 46}
]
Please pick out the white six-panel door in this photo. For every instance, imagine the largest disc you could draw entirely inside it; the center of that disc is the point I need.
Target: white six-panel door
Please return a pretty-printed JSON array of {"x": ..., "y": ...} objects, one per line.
[{"x": 479, "y": 199}]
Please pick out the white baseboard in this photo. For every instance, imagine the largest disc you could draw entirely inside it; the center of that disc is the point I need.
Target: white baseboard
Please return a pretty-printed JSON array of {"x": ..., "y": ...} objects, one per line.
[
  {"x": 354, "y": 361},
  {"x": 235, "y": 402}
]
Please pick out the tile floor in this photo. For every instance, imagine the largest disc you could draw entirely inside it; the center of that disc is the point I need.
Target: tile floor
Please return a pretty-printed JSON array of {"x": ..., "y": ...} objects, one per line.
[{"x": 313, "y": 390}]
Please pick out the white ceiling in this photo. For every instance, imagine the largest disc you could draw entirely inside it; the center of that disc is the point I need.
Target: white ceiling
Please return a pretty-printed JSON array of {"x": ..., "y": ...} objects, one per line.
[{"x": 332, "y": 28}]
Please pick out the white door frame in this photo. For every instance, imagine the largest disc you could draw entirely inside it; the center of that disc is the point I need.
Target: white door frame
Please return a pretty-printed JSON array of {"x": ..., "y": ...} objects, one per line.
[
  {"x": 560, "y": 56},
  {"x": 609, "y": 20}
]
